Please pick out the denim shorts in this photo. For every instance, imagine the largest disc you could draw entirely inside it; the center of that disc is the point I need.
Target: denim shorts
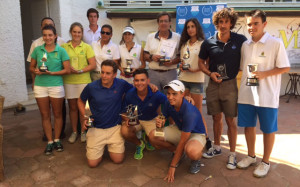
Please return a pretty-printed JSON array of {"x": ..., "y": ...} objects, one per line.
[
  {"x": 247, "y": 117},
  {"x": 194, "y": 87}
]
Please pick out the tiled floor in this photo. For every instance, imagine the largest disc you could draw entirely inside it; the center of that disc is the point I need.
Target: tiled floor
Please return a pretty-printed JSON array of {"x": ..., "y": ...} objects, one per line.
[{"x": 26, "y": 165}]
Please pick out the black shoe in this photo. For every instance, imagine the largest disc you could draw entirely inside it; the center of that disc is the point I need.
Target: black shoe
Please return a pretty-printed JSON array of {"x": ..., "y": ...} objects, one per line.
[
  {"x": 49, "y": 148},
  {"x": 62, "y": 135},
  {"x": 58, "y": 146},
  {"x": 208, "y": 144}
]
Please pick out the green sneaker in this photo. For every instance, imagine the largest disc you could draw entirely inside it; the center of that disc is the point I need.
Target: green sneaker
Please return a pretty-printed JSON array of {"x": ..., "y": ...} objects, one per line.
[
  {"x": 149, "y": 147},
  {"x": 138, "y": 155}
]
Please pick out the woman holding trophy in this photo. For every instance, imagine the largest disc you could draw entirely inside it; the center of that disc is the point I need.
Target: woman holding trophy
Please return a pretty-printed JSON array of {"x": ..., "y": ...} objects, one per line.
[
  {"x": 131, "y": 55},
  {"x": 191, "y": 76},
  {"x": 82, "y": 59},
  {"x": 49, "y": 62}
]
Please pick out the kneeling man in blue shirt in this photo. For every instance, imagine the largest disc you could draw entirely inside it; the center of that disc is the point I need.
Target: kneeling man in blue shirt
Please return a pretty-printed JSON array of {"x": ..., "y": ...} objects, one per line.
[{"x": 187, "y": 135}]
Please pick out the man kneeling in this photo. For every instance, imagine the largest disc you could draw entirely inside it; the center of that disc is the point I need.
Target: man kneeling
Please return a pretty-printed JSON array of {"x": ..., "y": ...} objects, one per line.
[{"x": 187, "y": 136}]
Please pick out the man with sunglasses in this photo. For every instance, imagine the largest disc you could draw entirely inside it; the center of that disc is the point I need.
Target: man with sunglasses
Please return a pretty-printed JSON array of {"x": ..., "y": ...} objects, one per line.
[
  {"x": 92, "y": 33},
  {"x": 104, "y": 49},
  {"x": 161, "y": 51}
]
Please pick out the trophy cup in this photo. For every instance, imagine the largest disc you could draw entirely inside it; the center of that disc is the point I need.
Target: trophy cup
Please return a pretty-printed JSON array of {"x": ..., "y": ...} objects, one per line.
[
  {"x": 43, "y": 67},
  {"x": 186, "y": 56},
  {"x": 128, "y": 70},
  {"x": 132, "y": 115},
  {"x": 160, "y": 131},
  {"x": 221, "y": 68},
  {"x": 163, "y": 58},
  {"x": 251, "y": 79},
  {"x": 88, "y": 114}
]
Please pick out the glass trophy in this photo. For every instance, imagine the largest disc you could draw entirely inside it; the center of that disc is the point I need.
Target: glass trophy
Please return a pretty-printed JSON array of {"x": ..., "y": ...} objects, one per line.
[
  {"x": 74, "y": 62},
  {"x": 128, "y": 70},
  {"x": 251, "y": 79},
  {"x": 163, "y": 58},
  {"x": 88, "y": 114},
  {"x": 159, "y": 131},
  {"x": 132, "y": 115},
  {"x": 43, "y": 67},
  {"x": 221, "y": 69},
  {"x": 186, "y": 55}
]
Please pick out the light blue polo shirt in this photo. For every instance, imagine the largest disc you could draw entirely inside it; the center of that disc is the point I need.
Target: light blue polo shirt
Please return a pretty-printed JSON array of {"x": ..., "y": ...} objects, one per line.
[
  {"x": 54, "y": 62},
  {"x": 105, "y": 103}
]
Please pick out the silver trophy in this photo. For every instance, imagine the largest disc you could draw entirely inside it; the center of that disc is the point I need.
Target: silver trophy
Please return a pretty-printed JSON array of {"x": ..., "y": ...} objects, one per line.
[
  {"x": 160, "y": 131},
  {"x": 132, "y": 115},
  {"x": 128, "y": 70},
  {"x": 43, "y": 67},
  {"x": 88, "y": 113},
  {"x": 186, "y": 55},
  {"x": 221, "y": 68},
  {"x": 251, "y": 79}
]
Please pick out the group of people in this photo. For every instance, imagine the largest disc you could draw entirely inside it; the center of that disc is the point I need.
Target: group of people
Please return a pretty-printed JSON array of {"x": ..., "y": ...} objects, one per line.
[{"x": 85, "y": 69}]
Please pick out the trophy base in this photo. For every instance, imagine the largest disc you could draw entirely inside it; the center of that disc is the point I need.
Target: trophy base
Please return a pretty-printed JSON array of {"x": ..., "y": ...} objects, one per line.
[
  {"x": 159, "y": 133},
  {"x": 186, "y": 67},
  {"x": 43, "y": 69},
  {"x": 252, "y": 82},
  {"x": 223, "y": 77},
  {"x": 133, "y": 122}
]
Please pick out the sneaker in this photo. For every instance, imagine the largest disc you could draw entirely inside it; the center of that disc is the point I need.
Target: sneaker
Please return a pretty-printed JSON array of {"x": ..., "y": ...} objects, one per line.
[
  {"x": 261, "y": 170},
  {"x": 208, "y": 144},
  {"x": 246, "y": 162},
  {"x": 49, "y": 148},
  {"x": 58, "y": 146},
  {"x": 73, "y": 137},
  {"x": 83, "y": 137},
  {"x": 211, "y": 153},
  {"x": 195, "y": 166},
  {"x": 149, "y": 147},
  {"x": 138, "y": 155},
  {"x": 231, "y": 164}
]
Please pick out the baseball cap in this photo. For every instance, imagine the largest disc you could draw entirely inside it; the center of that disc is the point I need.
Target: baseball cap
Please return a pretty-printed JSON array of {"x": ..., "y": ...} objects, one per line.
[
  {"x": 176, "y": 85},
  {"x": 128, "y": 29}
]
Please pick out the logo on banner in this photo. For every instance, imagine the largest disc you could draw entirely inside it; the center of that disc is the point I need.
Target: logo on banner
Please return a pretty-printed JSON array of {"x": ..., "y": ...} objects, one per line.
[
  {"x": 219, "y": 7},
  {"x": 207, "y": 10},
  {"x": 181, "y": 23},
  {"x": 206, "y": 22},
  {"x": 182, "y": 11},
  {"x": 195, "y": 10}
]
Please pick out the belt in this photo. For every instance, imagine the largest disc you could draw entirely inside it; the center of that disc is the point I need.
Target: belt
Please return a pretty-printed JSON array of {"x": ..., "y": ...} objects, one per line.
[
  {"x": 162, "y": 70},
  {"x": 98, "y": 72}
]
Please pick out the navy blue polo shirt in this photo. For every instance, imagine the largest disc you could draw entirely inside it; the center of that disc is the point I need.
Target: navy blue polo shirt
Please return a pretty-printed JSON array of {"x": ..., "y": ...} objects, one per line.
[
  {"x": 148, "y": 107},
  {"x": 223, "y": 53},
  {"x": 188, "y": 119},
  {"x": 105, "y": 103}
]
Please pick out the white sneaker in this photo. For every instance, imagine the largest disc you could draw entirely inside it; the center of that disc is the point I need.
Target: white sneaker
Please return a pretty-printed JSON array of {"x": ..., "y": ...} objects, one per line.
[
  {"x": 246, "y": 162},
  {"x": 231, "y": 164},
  {"x": 261, "y": 170},
  {"x": 73, "y": 137},
  {"x": 83, "y": 137}
]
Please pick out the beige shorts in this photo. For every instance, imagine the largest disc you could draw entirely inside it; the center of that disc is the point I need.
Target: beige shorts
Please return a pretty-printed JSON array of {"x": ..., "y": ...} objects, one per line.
[
  {"x": 222, "y": 97},
  {"x": 53, "y": 91},
  {"x": 97, "y": 139},
  {"x": 173, "y": 134},
  {"x": 148, "y": 126},
  {"x": 73, "y": 91}
]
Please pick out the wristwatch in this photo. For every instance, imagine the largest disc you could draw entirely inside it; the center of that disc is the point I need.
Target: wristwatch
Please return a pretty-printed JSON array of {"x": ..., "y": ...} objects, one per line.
[
  {"x": 150, "y": 56},
  {"x": 80, "y": 71}
]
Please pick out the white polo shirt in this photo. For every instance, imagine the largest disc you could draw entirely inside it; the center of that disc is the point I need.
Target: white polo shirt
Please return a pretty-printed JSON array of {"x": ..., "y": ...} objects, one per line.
[
  {"x": 89, "y": 36},
  {"x": 39, "y": 42},
  {"x": 268, "y": 53},
  {"x": 134, "y": 54},
  {"x": 193, "y": 61},
  {"x": 155, "y": 46},
  {"x": 109, "y": 51}
]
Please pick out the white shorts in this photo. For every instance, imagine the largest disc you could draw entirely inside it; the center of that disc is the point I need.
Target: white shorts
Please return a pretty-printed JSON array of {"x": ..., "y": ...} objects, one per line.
[
  {"x": 73, "y": 91},
  {"x": 53, "y": 91}
]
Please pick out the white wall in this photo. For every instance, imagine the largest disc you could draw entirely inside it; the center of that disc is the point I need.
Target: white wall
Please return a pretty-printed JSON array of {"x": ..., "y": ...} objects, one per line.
[{"x": 12, "y": 68}]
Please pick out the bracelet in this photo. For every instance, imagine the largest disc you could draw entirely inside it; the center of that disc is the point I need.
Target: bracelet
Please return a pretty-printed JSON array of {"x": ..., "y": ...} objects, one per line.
[
  {"x": 172, "y": 166},
  {"x": 80, "y": 71},
  {"x": 150, "y": 56}
]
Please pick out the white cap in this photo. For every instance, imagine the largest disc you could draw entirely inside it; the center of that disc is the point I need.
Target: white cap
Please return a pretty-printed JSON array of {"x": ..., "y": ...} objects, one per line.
[
  {"x": 128, "y": 29},
  {"x": 176, "y": 85}
]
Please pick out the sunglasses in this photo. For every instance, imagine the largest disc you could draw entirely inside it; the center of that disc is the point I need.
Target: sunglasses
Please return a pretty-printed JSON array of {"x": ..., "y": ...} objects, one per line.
[{"x": 107, "y": 33}]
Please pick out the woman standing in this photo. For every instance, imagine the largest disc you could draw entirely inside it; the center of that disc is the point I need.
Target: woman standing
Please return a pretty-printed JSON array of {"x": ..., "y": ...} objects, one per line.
[
  {"x": 83, "y": 61},
  {"x": 191, "y": 76},
  {"x": 52, "y": 61},
  {"x": 104, "y": 49},
  {"x": 132, "y": 52}
]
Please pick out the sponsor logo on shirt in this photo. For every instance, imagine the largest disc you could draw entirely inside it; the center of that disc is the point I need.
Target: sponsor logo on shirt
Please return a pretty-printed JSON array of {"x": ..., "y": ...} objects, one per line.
[
  {"x": 134, "y": 55},
  {"x": 150, "y": 104},
  {"x": 262, "y": 54},
  {"x": 108, "y": 51},
  {"x": 115, "y": 91},
  {"x": 233, "y": 46}
]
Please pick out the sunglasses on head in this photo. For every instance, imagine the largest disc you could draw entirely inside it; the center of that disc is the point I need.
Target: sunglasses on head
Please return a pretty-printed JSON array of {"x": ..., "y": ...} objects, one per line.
[{"x": 107, "y": 33}]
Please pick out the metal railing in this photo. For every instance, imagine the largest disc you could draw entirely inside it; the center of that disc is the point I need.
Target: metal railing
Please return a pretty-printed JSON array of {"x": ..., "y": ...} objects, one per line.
[{"x": 174, "y": 3}]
